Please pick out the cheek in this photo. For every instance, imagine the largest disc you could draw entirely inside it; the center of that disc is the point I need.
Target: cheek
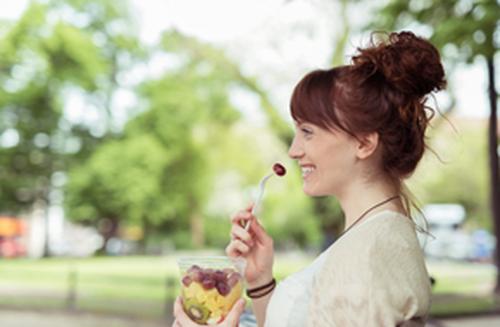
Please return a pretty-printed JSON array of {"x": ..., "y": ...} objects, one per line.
[{"x": 337, "y": 166}]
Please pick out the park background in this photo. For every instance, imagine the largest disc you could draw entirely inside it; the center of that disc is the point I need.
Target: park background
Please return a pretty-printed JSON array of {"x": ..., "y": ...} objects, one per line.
[{"x": 130, "y": 131}]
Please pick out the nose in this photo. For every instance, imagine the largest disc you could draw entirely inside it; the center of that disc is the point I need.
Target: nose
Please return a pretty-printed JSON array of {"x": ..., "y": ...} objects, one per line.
[{"x": 295, "y": 151}]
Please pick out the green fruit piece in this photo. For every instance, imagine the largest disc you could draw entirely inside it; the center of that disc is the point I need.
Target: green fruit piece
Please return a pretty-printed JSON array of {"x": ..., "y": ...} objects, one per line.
[{"x": 197, "y": 312}]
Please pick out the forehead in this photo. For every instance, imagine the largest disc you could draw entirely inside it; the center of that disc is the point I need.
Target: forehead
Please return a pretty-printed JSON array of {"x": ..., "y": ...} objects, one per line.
[{"x": 330, "y": 129}]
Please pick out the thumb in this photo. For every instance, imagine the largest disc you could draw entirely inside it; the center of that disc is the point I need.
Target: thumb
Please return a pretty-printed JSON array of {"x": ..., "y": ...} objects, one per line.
[{"x": 233, "y": 317}]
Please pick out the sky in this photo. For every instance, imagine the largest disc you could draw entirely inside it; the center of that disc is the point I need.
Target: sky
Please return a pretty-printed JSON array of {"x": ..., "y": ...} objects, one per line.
[{"x": 257, "y": 34}]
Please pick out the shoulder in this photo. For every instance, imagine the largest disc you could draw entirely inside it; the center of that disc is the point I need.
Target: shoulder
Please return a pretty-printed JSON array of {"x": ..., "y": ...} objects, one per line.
[
  {"x": 383, "y": 246},
  {"x": 377, "y": 274},
  {"x": 388, "y": 230}
]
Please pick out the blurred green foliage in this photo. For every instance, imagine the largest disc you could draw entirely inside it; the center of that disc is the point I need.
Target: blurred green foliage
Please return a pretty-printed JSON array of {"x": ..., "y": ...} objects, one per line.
[
  {"x": 462, "y": 29},
  {"x": 186, "y": 158},
  {"x": 457, "y": 170},
  {"x": 42, "y": 60}
]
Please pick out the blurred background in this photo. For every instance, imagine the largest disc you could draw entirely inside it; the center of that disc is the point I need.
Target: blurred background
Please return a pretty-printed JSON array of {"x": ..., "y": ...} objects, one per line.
[{"x": 130, "y": 131}]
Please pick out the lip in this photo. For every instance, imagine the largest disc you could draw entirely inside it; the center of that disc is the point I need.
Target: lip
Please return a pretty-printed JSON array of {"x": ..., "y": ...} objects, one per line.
[{"x": 306, "y": 177}]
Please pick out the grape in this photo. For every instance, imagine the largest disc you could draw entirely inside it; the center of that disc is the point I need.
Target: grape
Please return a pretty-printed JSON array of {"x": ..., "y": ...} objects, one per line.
[
  {"x": 223, "y": 288},
  {"x": 233, "y": 279},
  {"x": 279, "y": 169},
  {"x": 219, "y": 276},
  {"x": 187, "y": 280},
  {"x": 196, "y": 275},
  {"x": 208, "y": 283}
]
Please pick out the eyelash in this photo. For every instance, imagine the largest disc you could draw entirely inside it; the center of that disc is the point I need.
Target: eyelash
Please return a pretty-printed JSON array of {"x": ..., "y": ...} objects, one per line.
[{"x": 306, "y": 131}]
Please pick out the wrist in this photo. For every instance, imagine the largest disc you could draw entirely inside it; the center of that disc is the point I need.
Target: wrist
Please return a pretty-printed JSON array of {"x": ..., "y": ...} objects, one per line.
[
  {"x": 261, "y": 291},
  {"x": 262, "y": 280}
]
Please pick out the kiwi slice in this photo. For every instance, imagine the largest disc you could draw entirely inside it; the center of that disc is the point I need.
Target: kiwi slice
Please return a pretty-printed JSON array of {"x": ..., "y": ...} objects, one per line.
[{"x": 196, "y": 311}]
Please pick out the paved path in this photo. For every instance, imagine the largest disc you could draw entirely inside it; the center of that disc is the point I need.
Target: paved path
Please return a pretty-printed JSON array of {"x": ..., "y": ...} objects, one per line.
[
  {"x": 18, "y": 318},
  {"x": 487, "y": 321}
]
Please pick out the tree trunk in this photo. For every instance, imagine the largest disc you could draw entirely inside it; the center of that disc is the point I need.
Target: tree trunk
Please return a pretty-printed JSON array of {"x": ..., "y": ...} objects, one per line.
[
  {"x": 196, "y": 225},
  {"x": 146, "y": 231},
  {"x": 108, "y": 228},
  {"x": 493, "y": 156},
  {"x": 197, "y": 230}
]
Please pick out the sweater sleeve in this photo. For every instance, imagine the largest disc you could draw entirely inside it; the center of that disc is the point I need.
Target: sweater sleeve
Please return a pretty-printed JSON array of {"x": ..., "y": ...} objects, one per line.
[{"x": 387, "y": 288}]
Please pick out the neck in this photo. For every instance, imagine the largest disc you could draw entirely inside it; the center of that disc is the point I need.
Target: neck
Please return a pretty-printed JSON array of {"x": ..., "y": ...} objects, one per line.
[{"x": 358, "y": 197}]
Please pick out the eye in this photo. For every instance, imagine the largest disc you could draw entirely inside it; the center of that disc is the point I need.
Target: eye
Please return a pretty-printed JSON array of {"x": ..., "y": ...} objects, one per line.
[{"x": 306, "y": 131}]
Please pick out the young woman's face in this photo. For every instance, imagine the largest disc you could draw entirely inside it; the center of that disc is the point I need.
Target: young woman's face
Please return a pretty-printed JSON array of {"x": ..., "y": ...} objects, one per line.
[{"x": 326, "y": 157}]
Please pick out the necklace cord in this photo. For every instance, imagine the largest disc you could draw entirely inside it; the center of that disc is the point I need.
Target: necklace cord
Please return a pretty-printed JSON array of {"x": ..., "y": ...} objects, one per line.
[{"x": 366, "y": 212}]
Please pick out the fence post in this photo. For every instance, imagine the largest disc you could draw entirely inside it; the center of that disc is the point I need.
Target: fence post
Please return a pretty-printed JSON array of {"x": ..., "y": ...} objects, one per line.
[
  {"x": 72, "y": 285},
  {"x": 170, "y": 296}
]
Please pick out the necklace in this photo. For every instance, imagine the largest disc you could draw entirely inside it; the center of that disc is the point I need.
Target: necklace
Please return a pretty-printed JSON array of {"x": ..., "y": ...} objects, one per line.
[{"x": 366, "y": 212}]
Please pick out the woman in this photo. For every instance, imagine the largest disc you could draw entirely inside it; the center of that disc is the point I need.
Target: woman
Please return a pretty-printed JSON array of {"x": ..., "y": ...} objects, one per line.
[{"x": 360, "y": 131}]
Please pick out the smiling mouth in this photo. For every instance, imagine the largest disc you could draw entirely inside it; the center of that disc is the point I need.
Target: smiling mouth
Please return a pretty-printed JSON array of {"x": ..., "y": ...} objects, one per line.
[{"x": 306, "y": 171}]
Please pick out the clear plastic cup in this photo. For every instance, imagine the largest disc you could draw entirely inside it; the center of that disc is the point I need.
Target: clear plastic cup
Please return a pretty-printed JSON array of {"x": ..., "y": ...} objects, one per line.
[{"x": 210, "y": 286}]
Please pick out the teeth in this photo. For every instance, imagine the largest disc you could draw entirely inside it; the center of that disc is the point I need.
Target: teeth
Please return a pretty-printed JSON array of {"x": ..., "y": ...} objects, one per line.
[{"x": 306, "y": 171}]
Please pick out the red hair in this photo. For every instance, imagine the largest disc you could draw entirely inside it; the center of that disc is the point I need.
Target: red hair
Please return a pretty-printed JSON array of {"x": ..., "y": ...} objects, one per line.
[{"x": 384, "y": 90}]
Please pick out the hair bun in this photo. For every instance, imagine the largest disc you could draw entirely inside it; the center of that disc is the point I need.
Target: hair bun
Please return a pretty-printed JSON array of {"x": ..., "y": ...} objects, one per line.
[{"x": 408, "y": 63}]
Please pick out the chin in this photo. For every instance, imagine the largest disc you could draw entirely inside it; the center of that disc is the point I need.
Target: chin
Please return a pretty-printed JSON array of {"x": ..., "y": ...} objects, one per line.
[{"x": 315, "y": 192}]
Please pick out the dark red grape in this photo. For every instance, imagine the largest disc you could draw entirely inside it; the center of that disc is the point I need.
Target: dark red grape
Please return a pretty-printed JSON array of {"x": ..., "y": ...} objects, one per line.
[
  {"x": 193, "y": 270},
  {"x": 219, "y": 276},
  {"x": 196, "y": 275},
  {"x": 223, "y": 288},
  {"x": 279, "y": 169},
  {"x": 208, "y": 283},
  {"x": 187, "y": 280}
]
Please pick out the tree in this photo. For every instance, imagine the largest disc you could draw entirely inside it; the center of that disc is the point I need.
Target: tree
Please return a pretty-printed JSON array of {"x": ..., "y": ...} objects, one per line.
[
  {"x": 159, "y": 172},
  {"x": 45, "y": 62},
  {"x": 467, "y": 29}
]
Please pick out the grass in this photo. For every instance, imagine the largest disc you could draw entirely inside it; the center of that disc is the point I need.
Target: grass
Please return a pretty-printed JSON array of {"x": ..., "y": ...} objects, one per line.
[
  {"x": 146, "y": 286},
  {"x": 463, "y": 289}
]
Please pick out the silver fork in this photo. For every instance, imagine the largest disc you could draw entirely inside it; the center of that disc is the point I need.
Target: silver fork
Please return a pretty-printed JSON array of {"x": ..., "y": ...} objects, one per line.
[{"x": 258, "y": 202}]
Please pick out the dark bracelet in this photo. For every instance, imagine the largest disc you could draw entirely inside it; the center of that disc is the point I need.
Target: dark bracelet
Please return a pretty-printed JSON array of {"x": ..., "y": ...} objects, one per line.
[
  {"x": 252, "y": 291},
  {"x": 260, "y": 288},
  {"x": 256, "y": 296}
]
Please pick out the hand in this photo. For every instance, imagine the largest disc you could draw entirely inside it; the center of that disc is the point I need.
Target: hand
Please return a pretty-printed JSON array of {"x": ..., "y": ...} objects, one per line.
[
  {"x": 255, "y": 245},
  {"x": 232, "y": 319}
]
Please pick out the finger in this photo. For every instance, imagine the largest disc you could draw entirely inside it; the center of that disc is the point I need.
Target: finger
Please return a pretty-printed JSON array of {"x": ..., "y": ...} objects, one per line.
[
  {"x": 236, "y": 248},
  {"x": 178, "y": 311},
  {"x": 234, "y": 315},
  {"x": 241, "y": 217},
  {"x": 240, "y": 246},
  {"x": 181, "y": 317},
  {"x": 231, "y": 251},
  {"x": 239, "y": 233}
]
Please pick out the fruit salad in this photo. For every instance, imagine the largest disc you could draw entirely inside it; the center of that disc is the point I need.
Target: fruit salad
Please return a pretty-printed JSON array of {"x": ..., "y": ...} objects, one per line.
[{"x": 209, "y": 293}]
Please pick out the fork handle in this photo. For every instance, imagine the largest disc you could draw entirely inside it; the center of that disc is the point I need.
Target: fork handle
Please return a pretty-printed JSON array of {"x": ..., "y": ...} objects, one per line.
[{"x": 258, "y": 202}]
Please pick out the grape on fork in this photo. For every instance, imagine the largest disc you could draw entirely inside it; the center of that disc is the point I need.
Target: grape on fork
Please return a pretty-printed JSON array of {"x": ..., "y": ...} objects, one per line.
[{"x": 279, "y": 170}]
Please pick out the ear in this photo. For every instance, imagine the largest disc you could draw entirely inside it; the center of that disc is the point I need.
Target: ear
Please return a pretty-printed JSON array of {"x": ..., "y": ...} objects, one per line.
[{"x": 367, "y": 144}]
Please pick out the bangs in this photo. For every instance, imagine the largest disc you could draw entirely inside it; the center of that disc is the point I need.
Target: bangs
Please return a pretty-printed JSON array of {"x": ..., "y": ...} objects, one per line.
[{"x": 312, "y": 100}]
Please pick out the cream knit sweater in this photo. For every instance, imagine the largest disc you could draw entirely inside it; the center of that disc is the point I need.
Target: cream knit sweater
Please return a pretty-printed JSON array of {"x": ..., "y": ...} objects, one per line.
[{"x": 375, "y": 275}]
